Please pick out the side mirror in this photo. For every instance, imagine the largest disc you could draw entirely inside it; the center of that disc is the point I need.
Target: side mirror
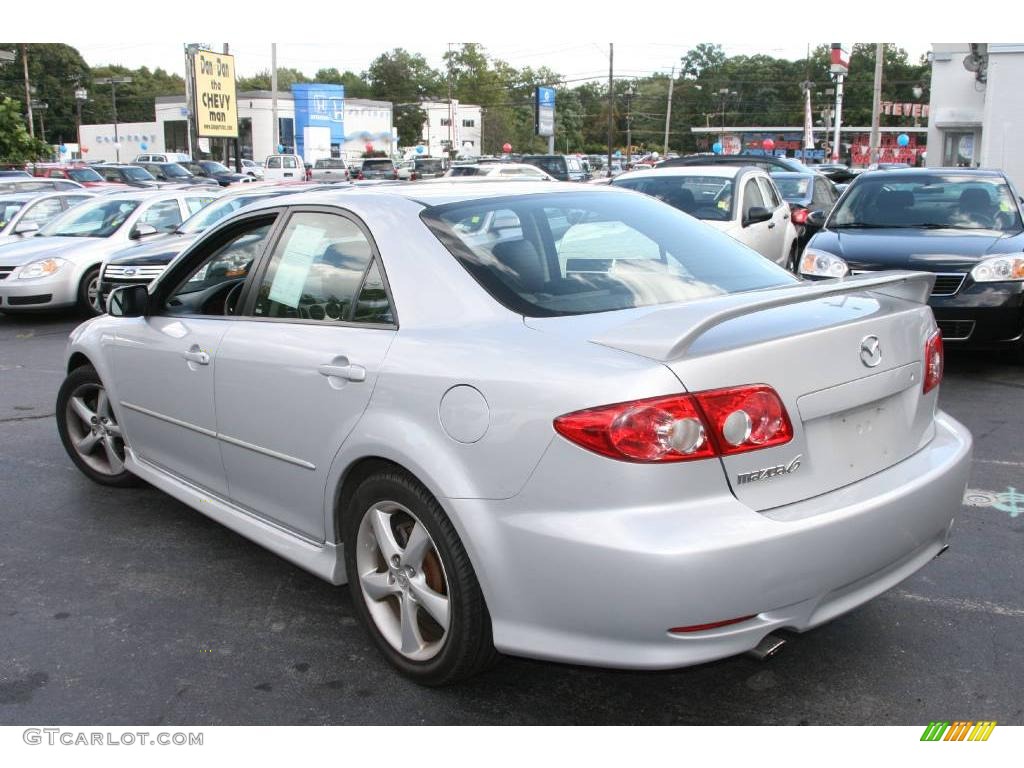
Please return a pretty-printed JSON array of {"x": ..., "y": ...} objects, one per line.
[
  {"x": 816, "y": 219},
  {"x": 128, "y": 301},
  {"x": 26, "y": 228},
  {"x": 142, "y": 230},
  {"x": 755, "y": 215}
]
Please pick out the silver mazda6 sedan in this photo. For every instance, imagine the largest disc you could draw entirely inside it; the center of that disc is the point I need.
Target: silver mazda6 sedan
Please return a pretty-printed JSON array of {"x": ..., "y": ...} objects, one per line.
[{"x": 563, "y": 422}]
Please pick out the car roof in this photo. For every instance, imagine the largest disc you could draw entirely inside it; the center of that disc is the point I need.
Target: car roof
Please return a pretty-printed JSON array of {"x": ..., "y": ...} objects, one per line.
[
  {"x": 42, "y": 195},
  {"x": 722, "y": 171},
  {"x": 910, "y": 173},
  {"x": 431, "y": 193}
]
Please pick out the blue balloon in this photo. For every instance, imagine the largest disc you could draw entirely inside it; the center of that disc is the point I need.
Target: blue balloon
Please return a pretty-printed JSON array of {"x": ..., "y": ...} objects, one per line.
[
  {"x": 280, "y": 149},
  {"x": 618, "y": 153},
  {"x": 420, "y": 150},
  {"x": 144, "y": 146},
  {"x": 63, "y": 149},
  {"x": 717, "y": 147},
  {"x": 903, "y": 139}
]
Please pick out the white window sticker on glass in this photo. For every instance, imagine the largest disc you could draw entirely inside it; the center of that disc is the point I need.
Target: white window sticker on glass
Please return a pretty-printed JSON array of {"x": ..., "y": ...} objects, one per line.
[{"x": 304, "y": 245}]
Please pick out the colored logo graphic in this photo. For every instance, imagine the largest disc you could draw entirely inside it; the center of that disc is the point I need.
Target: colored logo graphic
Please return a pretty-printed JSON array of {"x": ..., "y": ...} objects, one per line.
[{"x": 960, "y": 730}]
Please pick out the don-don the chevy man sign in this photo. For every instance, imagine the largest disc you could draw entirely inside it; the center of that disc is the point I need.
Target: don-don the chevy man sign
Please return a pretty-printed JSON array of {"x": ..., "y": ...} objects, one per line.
[{"x": 215, "y": 108}]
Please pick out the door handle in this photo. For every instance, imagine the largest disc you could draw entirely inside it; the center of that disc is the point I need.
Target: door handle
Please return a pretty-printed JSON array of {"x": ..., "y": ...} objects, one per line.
[
  {"x": 772, "y": 225},
  {"x": 196, "y": 355},
  {"x": 347, "y": 372}
]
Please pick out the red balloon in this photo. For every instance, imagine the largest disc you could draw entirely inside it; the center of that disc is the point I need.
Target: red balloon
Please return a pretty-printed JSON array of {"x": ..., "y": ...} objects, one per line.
[
  {"x": 84, "y": 149},
  {"x": 768, "y": 145},
  {"x": 506, "y": 148},
  {"x": 369, "y": 147}
]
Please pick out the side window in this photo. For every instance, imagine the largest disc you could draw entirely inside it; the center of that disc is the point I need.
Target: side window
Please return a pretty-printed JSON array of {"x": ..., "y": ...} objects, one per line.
[
  {"x": 163, "y": 216},
  {"x": 317, "y": 270},
  {"x": 110, "y": 174},
  {"x": 43, "y": 211},
  {"x": 195, "y": 203},
  {"x": 769, "y": 194},
  {"x": 752, "y": 197},
  {"x": 821, "y": 195},
  {"x": 206, "y": 289},
  {"x": 289, "y": 162},
  {"x": 373, "y": 305}
]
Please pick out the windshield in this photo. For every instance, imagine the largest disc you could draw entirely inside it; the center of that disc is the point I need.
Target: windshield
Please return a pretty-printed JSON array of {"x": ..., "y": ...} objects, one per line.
[
  {"x": 575, "y": 253},
  {"x": 939, "y": 201},
  {"x": 556, "y": 166},
  {"x": 175, "y": 171},
  {"x": 211, "y": 166},
  {"x": 8, "y": 208},
  {"x": 137, "y": 174},
  {"x": 217, "y": 210},
  {"x": 84, "y": 174},
  {"x": 465, "y": 170},
  {"x": 704, "y": 197},
  {"x": 793, "y": 188},
  {"x": 101, "y": 218}
]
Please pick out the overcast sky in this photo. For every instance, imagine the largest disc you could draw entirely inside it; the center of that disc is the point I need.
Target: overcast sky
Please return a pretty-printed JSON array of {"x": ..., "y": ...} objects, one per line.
[{"x": 572, "y": 60}]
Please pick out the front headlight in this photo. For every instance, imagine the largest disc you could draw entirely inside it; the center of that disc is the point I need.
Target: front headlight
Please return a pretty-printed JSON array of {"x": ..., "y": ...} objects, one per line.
[
  {"x": 42, "y": 268},
  {"x": 822, "y": 264},
  {"x": 998, "y": 268}
]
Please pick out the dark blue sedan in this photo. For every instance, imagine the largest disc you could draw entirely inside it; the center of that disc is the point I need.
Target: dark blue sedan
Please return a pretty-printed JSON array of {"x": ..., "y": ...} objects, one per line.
[{"x": 963, "y": 225}]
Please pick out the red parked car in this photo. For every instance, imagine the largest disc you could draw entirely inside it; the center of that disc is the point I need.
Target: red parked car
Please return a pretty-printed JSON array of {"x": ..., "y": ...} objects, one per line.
[{"x": 79, "y": 172}]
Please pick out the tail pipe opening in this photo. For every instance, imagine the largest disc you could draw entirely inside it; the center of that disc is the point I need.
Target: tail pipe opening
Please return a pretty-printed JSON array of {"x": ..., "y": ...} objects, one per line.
[{"x": 769, "y": 646}]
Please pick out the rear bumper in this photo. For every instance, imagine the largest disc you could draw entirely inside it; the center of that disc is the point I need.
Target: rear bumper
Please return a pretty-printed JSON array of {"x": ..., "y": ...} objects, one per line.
[{"x": 602, "y": 585}]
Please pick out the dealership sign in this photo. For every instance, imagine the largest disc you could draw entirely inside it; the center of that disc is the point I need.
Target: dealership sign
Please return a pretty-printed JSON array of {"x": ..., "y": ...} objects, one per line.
[
  {"x": 904, "y": 109},
  {"x": 215, "y": 109},
  {"x": 545, "y": 111}
]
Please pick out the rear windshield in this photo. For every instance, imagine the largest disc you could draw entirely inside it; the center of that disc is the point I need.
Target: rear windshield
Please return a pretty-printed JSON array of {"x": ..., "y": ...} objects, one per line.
[
  {"x": 556, "y": 166},
  {"x": 371, "y": 164},
  {"x": 576, "y": 253},
  {"x": 928, "y": 201},
  {"x": 429, "y": 165},
  {"x": 705, "y": 197},
  {"x": 175, "y": 171},
  {"x": 464, "y": 170},
  {"x": 335, "y": 163},
  {"x": 137, "y": 174},
  {"x": 793, "y": 189}
]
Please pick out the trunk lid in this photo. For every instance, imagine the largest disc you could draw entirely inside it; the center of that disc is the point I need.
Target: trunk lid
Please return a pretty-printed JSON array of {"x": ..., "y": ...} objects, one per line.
[{"x": 850, "y": 419}]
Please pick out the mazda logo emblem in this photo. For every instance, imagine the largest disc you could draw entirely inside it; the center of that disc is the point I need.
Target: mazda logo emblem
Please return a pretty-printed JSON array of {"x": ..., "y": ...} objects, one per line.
[{"x": 870, "y": 351}]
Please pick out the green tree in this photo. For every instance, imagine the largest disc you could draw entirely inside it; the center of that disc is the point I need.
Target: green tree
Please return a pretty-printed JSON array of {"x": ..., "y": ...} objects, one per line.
[
  {"x": 54, "y": 70},
  {"x": 402, "y": 77},
  {"x": 355, "y": 86},
  {"x": 17, "y": 146},
  {"x": 409, "y": 120}
]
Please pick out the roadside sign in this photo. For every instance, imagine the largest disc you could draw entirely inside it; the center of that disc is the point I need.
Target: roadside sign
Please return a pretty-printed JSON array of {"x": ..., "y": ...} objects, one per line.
[{"x": 215, "y": 108}]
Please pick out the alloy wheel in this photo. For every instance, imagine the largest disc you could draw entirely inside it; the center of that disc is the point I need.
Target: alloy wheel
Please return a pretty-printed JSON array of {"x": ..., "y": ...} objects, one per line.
[
  {"x": 92, "y": 292},
  {"x": 94, "y": 432},
  {"x": 403, "y": 581}
]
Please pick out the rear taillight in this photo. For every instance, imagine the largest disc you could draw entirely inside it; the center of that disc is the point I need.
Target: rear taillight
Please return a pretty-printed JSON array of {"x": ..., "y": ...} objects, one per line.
[
  {"x": 799, "y": 215},
  {"x": 682, "y": 427},
  {"x": 934, "y": 361}
]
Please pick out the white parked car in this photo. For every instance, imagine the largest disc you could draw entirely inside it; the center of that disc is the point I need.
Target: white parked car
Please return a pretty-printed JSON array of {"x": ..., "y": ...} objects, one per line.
[
  {"x": 741, "y": 201},
  {"x": 601, "y": 433},
  {"x": 284, "y": 167},
  {"x": 252, "y": 168},
  {"x": 513, "y": 171},
  {"x": 23, "y": 215},
  {"x": 60, "y": 266}
]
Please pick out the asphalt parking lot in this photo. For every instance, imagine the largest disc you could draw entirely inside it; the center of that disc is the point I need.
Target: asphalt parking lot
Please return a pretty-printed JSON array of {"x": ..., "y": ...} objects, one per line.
[{"x": 127, "y": 607}]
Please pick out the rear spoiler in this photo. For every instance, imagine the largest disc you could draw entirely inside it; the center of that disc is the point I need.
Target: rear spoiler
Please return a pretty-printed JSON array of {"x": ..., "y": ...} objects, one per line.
[{"x": 666, "y": 334}]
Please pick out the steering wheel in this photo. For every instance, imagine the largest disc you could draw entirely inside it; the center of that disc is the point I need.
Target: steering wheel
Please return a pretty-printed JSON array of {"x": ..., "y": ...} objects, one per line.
[{"x": 232, "y": 298}]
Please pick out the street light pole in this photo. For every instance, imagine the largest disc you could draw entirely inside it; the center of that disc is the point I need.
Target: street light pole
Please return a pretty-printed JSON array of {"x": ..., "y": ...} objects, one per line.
[
  {"x": 113, "y": 82},
  {"x": 80, "y": 97},
  {"x": 629, "y": 125}
]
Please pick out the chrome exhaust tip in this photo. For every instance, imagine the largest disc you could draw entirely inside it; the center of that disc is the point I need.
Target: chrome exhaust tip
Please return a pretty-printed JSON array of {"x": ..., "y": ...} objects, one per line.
[
  {"x": 769, "y": 646},
  {"x": 942, "y": 551}
]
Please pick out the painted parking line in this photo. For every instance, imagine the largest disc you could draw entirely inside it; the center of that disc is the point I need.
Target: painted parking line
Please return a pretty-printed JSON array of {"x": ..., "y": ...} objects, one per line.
[
  {"x": 957, "y": 604},
  {"x": 1010, "y": 501}
]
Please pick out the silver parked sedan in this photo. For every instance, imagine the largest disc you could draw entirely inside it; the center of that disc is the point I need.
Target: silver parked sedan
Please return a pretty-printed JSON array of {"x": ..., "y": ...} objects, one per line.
[
  {"x": 60, "y": 266},
  {"x": 549, "y": 420}
]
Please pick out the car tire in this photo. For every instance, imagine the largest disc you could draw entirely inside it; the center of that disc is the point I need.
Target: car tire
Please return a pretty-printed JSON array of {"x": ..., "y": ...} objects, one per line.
[
  {"x": 417, "y": 593},
  {"x": 89, "y": 293},
  {"x": 89, "y": 430}
]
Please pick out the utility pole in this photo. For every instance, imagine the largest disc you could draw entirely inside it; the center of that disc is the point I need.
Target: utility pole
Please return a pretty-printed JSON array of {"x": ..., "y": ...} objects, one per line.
[
  {"x": 113, "y": 83},
  {"x": 629, "y": 125},
  {"x": 28, "y": 90},
  {"x": 668, "y": 109},
  {"x": 611, "y": 104},
  {"x": 876, "y": 102},
  {"x": 273, "y": 99},
  {"x": 451, "y": 117},
  {"x": 190, "y": 97}
]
